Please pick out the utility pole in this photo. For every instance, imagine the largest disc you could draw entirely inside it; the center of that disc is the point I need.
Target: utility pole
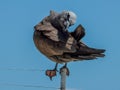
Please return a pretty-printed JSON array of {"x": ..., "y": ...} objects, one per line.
[{"x": 63, "y": 72}]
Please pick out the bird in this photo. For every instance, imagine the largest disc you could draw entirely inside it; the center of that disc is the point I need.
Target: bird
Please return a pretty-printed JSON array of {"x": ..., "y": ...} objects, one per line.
[{"x": 52, "y": 38}]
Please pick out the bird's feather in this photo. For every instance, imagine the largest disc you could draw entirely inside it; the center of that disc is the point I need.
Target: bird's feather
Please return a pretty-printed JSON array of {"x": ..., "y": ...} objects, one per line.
[{"x": 61, "y": 46}]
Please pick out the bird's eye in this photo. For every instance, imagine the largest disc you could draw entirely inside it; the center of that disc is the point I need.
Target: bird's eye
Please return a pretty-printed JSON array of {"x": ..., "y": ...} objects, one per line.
[{"x": 68, "y": 16}]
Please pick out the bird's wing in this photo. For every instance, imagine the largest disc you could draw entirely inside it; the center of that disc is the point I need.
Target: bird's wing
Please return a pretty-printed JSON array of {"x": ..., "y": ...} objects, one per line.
[
  {"x": 48, "y": 31},
  {"x": 78, "y": 33},
  {"x": 83, "y": 53},
  {"x": 63, "y": 38}
]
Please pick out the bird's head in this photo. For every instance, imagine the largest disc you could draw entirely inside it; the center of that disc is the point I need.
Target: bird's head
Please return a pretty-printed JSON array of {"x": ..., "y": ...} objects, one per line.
[
  {"x": 62, "y": 20},
  {"x": 68, "y": 18}
]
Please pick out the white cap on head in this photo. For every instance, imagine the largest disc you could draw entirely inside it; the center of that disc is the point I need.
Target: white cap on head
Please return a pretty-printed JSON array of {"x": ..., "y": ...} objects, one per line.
[
  {"x": 68, "y": 18},
  {"x": 72, "y": 16}
]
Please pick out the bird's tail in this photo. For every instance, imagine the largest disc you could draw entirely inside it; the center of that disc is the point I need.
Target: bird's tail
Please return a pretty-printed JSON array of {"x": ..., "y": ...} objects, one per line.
[
  {"x": 88, "y": 51},
  {"x": 85, "y": 53}
]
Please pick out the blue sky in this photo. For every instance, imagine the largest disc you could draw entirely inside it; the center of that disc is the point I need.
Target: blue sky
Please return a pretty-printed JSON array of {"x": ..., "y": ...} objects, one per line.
[{"x": 100, "y": 18}]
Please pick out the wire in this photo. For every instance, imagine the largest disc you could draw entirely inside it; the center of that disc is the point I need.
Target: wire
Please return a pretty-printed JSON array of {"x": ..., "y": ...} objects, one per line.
[
  {"x": 21, "y": 69},
  {"x": 22, "y": 85}
]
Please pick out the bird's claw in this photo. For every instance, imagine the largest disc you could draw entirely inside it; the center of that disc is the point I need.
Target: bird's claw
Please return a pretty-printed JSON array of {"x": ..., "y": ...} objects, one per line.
[
  {"x": 67, "y": 70},
  {"x": 51, "y": 73}
]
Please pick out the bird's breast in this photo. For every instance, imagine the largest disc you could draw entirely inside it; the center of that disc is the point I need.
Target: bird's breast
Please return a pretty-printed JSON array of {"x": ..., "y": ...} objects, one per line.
[{"x": 45, "y": 45}]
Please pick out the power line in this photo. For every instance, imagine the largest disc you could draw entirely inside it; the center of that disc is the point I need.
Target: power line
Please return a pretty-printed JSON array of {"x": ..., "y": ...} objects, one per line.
[
  {"x": 23, "y": 85},
  {"x": 21, "y": 69}
]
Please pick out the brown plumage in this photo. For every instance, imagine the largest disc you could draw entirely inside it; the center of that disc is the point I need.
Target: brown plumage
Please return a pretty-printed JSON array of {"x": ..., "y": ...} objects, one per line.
[
  {"x": 52, "y": 39},
  {"x": 60, "y": 45}
]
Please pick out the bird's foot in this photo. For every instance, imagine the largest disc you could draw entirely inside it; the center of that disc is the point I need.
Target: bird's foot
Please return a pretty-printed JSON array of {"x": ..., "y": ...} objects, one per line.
[
  {"x": 67, "y": 70},
  {"x": 51, "y": 73}
]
